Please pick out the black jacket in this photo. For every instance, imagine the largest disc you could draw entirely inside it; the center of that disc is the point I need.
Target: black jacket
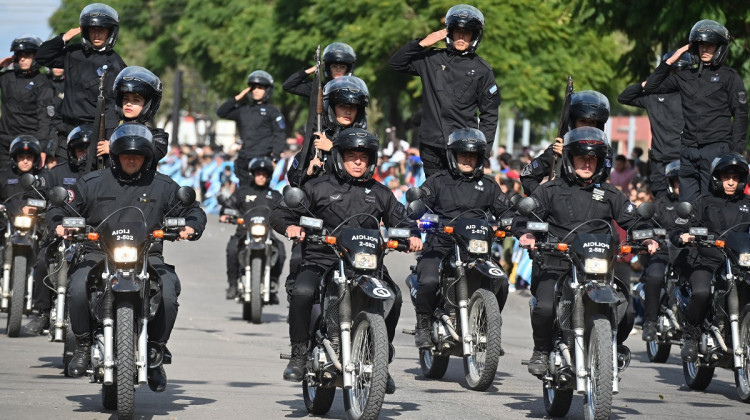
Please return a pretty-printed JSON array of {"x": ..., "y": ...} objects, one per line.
[
  {"x": 61, "y": 175},
  {"x": 27, "y": 108},
  {"x": 260, "y": 127},
  {"x": 534, "y": 172},
  {"x": 248, "y": 197},
  {"x": 296, "y": 84},
  {"x": 99, "y": 194},
  {"x": 82, "y": 80},
  {"x": 12, "y": 191},
  {"x": 454, "y": 88},
  {"x": 665, "y": 116},
  {"x": 58, "y": 95},
  {"x": 334, "y": 200},
  {"x": 714, "y": 103}
]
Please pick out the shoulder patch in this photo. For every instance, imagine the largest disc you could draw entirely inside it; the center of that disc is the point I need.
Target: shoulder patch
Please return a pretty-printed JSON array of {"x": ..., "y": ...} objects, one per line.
[
  {"x": 680, "y": 221},
  {"x": 742, "y": 97},
  {"x": 280, "y": 122},
  {"x": 493, "y": 90}
]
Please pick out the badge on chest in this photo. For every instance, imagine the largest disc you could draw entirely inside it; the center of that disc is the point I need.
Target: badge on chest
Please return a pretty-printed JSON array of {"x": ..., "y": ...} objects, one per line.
[{"x": 597, "y": 194}]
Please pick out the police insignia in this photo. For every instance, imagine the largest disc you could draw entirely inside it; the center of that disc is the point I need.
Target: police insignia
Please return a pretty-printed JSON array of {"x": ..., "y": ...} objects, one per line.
[
  {"x": 280, "y": 122},
  {"x": 714, "y": 79},
  {"x": 249, "y": 198},
  {"x": 742, "y": 97},
  {"x": 597, "y": 194},
  {"x": 680, "y": 221},
  {"x": 335, "y": 197},
  {"x": 71, "y": 196},
  {"x": 744, "y": 208},
  {"x": 51, "y": 111},
  {"x": 630, "y": 208},
  {"x": 534, "y": 163},
  {"x": 493, "y": 90},
  {"x": 526, "y": 170}
]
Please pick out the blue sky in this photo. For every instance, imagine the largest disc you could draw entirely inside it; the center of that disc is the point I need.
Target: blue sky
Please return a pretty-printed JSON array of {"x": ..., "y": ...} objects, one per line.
[{"x": 25, "y": 17}]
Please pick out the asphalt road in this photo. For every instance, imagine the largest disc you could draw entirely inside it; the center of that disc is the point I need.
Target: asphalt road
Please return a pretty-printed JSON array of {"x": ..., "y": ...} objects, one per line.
[{"x": 225, "y": 368}]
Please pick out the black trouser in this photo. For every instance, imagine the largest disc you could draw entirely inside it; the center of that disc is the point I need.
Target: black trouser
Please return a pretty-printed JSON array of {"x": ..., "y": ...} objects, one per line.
[
  {"x": 653, "y": 280},
  {"x": 700, "y": 287},
  {"x": 428, "y": 278},
  {"x": 303, "y": 292},
  {"x": 695, "y": 169},
  {"x": 657, "y": 177},
  {"x": 43, "y": 292},
  {"x": 433, "y": 158},
  {"x": 237, "y": 243},
  {"x": 241, "y": 169},
  {"x": 159, "y": 328}
]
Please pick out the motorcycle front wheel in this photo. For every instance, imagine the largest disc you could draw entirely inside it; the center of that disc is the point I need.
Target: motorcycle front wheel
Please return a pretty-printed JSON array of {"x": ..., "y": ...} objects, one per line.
[
  {"x": 318, "y": 400},
  {"x": 369, "y": 356},
  {"x": 18, "y": 292},
  {"x": 433, "y": 365},
  {"x": 484, "y": 328},
  {"x": 125, "y": 351},
  {"x": 742, "y": 375},
  {"x": 598, "y": 399},
  {"x": 256, "y": 297}
]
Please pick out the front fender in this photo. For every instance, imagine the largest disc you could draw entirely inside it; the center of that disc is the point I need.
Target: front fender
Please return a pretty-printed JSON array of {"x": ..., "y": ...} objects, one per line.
[
  {"x": 486, "y": 274},
  {"x": 374, "y": 288},
  {"x": 21, "y": 240},
  {"x": 604, "y": 294},
  {"x": 126, "y": 281}
]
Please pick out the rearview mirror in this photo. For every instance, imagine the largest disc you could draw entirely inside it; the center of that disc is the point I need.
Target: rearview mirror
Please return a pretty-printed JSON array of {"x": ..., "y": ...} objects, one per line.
[
  {"x": 416, "y": 209},
  {"x": 527, "y": 206},
  {"x": 58, "y": 196},
  {"x": 186, "y": 195},
  {"x": 293, "y": 197},
  {"x": 646, "y": 210},
  {"x": 413, "y": 194},
  {"x": 684, "y": 209}
]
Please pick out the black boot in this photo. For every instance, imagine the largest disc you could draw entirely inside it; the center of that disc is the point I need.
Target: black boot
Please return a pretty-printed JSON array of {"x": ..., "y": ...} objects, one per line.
[
  {"x": 690, "y": 336},
  {"x": 38, "y": 324},
  {"x": 538, "y": 362},
  {"x": 422, "y": 338},
  {"x": 390, "y": 385},
  {"x": 232, "y": 290},
  {"x": 274, "y": 298},
  {"x": 296, "y": 366},
  {"x": 156, "y": 376},
  {"x": 81, "y": 357},
  {"x": 649, "y": 331}
]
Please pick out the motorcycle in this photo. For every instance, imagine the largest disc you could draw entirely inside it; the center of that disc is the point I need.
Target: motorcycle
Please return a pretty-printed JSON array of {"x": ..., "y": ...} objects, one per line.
[
  {"x": 589, "y": 304},
  {"x": 350, "y": 346},
  {"x": 256, "y": 257},
  {"x": 22, "y": 235},
  {"x": 467, "y": 321},
  {"x": 124, "y": 296},
  {"x": 725, "y": 333}
]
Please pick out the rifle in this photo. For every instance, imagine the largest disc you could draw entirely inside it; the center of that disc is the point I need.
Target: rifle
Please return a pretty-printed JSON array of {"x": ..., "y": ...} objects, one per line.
[
  {"x": 314, "y": 121},
  {"x": 99, "y": 126},
  {"x": 564, "y": 121}
]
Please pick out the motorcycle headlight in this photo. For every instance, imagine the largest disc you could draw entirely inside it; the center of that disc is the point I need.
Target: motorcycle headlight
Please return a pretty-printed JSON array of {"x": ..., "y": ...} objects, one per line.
[
  {"x": 744, "y": 260},
  {"x": 258, "y": 230},
  {"x": 595, "y": 266},
  {"x": 478, "y": 247},
  {"x": 125, "y": 254},
  {"x": 365, "y": 261},
  {"x": 22, "y": 222}
]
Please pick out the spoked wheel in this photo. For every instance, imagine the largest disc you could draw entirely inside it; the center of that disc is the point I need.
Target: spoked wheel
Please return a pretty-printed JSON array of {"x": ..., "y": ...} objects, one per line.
[
  {"x": 17, "y": 294},
  {"x": 484, "y": 328},
  {"x": 697, "y": 376},
  {"x": 557, "y": 401},
  {"x": 742, "y": 375},
  {"x": 598, "y": 398},
  {"x": 125, "y": 351},
  {"x": 318, "y": 400},
  {"x": 256, "y": 297},
  {"x": 433, "y": 365},
  {"x": 658, "y": 350},
  {"x": 369, "y": 357}
]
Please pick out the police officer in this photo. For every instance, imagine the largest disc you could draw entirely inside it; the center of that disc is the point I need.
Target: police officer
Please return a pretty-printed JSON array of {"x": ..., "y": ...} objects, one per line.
[
  {"x": 56, "y": 77},
  {"x": 665, "y": 116},
  {"x": 27, "y": 105},
  {"x": 260, "y": 125},
  {"x": 348, "y": 190},
  {"x": 129, "y": 182},
  {"x": 83, "y": 64},
  {"x": 247, "y": 197},
  {"x": 653, "y": 273},
  {"x": 714, "y": 105},
  {"x": 724, "y": 207},
  {"x": 338, "y": 60},
  {"x": 578, "y": 195},
  {"x": 26, "y": 157},
  {"x": 448, "y": 193},
  {"x": 456, "y": 82},
  {"x": 588, "y": 108}
]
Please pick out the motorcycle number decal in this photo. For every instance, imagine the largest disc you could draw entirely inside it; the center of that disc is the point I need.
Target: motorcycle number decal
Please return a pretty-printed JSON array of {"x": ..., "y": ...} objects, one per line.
[
  {"x": 381, "y": 292},
  {"x": 495, "y": 271}
]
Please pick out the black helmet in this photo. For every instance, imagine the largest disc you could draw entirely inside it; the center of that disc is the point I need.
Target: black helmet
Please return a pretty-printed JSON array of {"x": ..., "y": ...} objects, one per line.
[
  {"x": 262, "y": 163},
  {"x": 25, "y": 43},
  {"x": 728, "y": 163},
  {"x": 587, "y": 141},
  {"x": 464, "y": 16},
  {"x": 466, "y": 140},
  {"x": 260, "y": 77},
  {"x": 103, "y": 16},
  {"x": 345, "y": 90},
  {"x": 131, "y": 138},
  {"x": 26, "y": 144},
  {"x": 684, "y": 62},
  {"x": 589, "y": 104},
  {"x": 672, "y": 172},
  {"x": 355, "y": 139},
  {"x": 79, "y": 138},
  {"x": 338, "y": 52},
  {"x": 711, "y": 32},
  {"x": 139, "y": 80}
]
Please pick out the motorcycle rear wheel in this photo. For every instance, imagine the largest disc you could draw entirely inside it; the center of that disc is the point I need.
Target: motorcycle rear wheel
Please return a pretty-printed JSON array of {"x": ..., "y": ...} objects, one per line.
[
  {"x": 433, "y": 365},
  {"x": 369, "y": 355},
  {"x": 656, "y": 350},
  {"x": 697, "y": 377},
  {"x": 18, "y": 292},
  {"x": 597, "y": 402},
  {"x": 484, "y": 327},
  {"x": 256, "y": 297},
  {"x": 318, "y": 400},
  {"x": 125, "y": 350},
  {"x": 556, "y": 401},
  {"x": 742, "y": 375}
]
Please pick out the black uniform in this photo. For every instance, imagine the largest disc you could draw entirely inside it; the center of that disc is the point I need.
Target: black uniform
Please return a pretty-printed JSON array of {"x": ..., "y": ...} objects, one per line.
[
  {"x": 261, "y": 130},
  {"x": 665, "y": 116},
  {"x": 333, "y": 200},
  {"x": 81, "y": 85},
  {"x": 717, "y": 214},
  {"x": 454, "y": 88},
  {"x": 448, "y": 196},
  {"x": 298, "y": 85},
  {"x": 96, "y": 196},
  {"x": 58, "y": 94},
  {"x": 715, "y": 111},
  {"x": 27, "y": 108},
  {"x": 245, "y": 198},
  {"x": 565, "y": 205},
  {"x": 535, "y": 171}
]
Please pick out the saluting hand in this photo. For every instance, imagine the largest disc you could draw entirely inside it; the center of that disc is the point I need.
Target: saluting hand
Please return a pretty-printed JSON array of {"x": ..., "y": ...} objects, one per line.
[
  {"x": 242, "y": 94},
  {"x": 5, "y": 62},
  {"x": 677, "y": 54},
  {"x": 72, "y": 32},
  {"x": 433, "y": 38}
]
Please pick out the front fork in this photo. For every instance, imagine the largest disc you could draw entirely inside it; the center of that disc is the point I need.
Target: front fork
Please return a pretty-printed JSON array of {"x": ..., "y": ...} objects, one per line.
[
  {"x": 345, "y": 325},
  {"x": 462, "y": 295},
  {"x": 578, "y": 324},
  {"x": 267, "y": 273},
  {"x": 733, "y": 307},
  {"x": 6, "y": 274}
]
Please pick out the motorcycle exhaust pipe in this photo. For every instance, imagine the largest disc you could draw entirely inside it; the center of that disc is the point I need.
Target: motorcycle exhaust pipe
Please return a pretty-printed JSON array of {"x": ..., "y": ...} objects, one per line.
[
  {"x": 267, "y": 284},
  {"x": 60, "y": 313},
  {"x": 109, "y": 361},
  {"x": 142, "y": 362}
]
